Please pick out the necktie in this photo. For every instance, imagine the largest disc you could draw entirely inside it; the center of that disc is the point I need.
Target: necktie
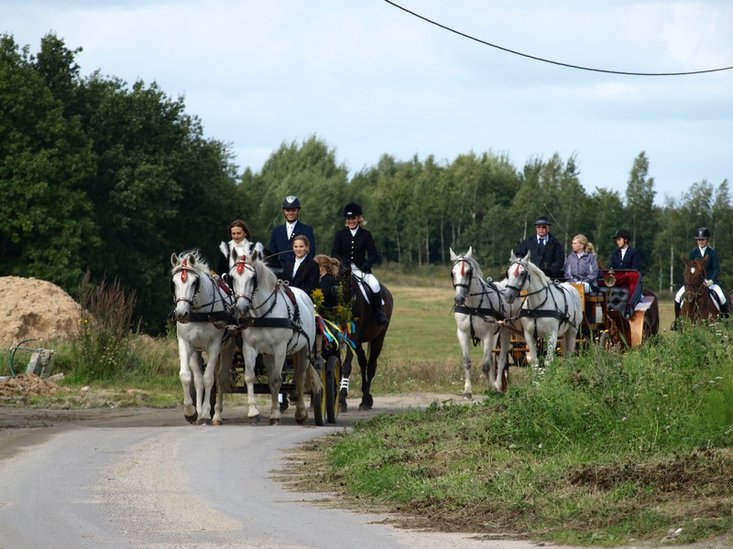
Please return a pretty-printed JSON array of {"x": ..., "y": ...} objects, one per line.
[{"x": 542, "y": 244}]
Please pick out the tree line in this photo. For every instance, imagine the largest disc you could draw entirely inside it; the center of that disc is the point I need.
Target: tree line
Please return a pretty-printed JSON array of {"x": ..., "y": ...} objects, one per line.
[{"x": 103, "y": 177}]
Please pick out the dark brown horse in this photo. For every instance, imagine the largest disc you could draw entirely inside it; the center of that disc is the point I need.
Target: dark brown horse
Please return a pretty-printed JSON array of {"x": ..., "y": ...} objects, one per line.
[
  {"x": 369, "y": 333},
  {"x": 698, "y": 303}
]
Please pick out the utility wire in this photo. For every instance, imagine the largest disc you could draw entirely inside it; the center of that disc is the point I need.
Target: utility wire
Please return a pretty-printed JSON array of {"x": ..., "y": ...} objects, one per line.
[{"x": 542, "y": 59}]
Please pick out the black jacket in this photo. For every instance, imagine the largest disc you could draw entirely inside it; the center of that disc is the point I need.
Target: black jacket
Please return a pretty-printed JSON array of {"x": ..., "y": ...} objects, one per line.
[
  {"x": 306, "y": 278},
  {"x": 551, "y": 260},
  {"x": 632, "y": 259},
  {"x": 358, "y": 249}
]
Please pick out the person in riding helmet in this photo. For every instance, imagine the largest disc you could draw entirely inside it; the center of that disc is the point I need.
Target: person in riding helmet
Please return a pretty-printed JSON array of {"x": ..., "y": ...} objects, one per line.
[
  {"x": 712, "y": 270},
  {"x": 281, "y": 238},
  {"x": 354, "y": 246},
  {"x": 624, "y": 256},
  {"x": 545, "y": 250}
]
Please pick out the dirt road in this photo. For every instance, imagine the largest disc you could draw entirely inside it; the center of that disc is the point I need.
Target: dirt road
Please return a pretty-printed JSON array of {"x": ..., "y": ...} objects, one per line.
[{"x": 144, "y": 478}]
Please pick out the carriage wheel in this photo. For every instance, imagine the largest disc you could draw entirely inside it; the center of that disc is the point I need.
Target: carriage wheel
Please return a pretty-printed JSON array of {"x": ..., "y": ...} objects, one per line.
[
  {"x": 647, "y": 329},
  {"x": 333, "y": 372}
]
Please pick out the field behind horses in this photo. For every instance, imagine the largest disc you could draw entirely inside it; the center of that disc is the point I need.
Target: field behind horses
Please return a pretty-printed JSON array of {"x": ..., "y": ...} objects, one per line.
[{"x": 421, "y": 351}]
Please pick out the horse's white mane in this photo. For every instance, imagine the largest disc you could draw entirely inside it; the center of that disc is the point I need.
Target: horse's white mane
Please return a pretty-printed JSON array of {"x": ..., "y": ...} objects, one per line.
[
  {"x": 263, "y": 272},
  {"x": 532, "y": 268},
  {"x": 194, "y": 261}
]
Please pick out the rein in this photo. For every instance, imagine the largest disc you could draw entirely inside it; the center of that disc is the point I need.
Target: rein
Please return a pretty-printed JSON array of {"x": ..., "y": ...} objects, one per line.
[
  {"x": 484, "y": 313},
  {"x": 218, "y": 317},
  {"x": 538, "y": 311}
]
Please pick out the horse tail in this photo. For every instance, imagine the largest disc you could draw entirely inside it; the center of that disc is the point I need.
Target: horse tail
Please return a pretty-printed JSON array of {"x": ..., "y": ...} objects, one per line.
[{"x": 312, "y": 379}]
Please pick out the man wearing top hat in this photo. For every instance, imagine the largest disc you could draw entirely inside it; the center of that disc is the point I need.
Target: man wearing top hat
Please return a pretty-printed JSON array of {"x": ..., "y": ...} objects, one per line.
[{"x": 545, "y": 250}]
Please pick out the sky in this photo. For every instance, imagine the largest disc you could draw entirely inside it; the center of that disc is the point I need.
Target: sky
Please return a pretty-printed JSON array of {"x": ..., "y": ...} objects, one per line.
[{"x": 369, "y": 79}]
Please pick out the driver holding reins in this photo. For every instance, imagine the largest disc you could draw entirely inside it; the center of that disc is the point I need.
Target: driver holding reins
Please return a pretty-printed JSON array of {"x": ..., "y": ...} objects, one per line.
[{"x": 712, "y": 271}]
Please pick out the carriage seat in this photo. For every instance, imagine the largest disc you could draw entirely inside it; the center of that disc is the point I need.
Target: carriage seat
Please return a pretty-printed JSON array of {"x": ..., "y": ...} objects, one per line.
[{"x": 625, "y": 294}]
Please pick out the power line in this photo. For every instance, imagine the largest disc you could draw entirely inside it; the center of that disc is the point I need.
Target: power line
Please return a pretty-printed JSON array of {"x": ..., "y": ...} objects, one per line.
[{"x": 544, "y": 60}]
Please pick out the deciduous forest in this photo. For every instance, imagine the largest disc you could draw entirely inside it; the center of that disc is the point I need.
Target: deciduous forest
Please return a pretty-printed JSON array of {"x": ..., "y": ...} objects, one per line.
[{"x": 100, "y": 176}]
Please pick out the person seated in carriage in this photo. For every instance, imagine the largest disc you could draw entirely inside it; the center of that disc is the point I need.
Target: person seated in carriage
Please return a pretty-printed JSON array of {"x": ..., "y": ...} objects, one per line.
[
  {"x": 302, "y": 271},
  {"x": 240, "y": 240},
  {"x": 581, "y": 265},
  {"x": 327, "y": 302},
  {"x": 280, "y": 248},
  {"x": 545, "y": 250},
  {"x": 712, "y": 270},
  {"x": 624, "y": 256},
  {"x": 628, "y": 285},
  {"x": 354, "y": 247}
]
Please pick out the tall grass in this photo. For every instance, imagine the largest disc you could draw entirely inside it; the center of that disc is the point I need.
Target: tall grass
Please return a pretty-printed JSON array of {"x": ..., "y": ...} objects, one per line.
[
  {"x": 603, "y": 448},
  {"x": 107, "y": 349}
]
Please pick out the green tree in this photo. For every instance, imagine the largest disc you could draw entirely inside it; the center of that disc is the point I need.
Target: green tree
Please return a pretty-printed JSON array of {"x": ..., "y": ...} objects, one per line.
[{"x": 45, "y": 159}]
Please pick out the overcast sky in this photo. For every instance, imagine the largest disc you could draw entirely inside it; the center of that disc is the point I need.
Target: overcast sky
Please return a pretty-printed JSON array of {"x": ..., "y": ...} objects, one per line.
[{"x": 368, "y": 78}]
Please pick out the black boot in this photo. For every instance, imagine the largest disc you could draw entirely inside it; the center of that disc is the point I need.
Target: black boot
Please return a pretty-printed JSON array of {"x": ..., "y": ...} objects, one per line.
[
  {"x": 379, "y": 313},
  {"x": 725, "y": 310},
  {"x": 677, "y": 308}
]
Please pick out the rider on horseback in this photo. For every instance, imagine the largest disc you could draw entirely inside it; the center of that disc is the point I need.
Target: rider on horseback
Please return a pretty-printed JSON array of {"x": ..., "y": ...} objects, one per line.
[
  {"x": 354, "y": 246},
  {"x": 712, "y": 270}
]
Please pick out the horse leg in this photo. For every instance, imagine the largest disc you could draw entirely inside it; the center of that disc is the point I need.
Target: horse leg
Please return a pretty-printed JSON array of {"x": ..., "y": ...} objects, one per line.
[
  {"x": 274, "y": 364},
  {"x": 501, "y": 381},
  {"x": 488, "y": 365},
  {"x": 463, "y": 340},
  {"x": 184, "y": 374},
  {"x": 226, "y": 356},
  {"x": 570, "y": 339},
  {"x": 209, "y": 378},
  {"x": 249, "y": 355},
  {"x": 345, "y": 374},
  {"x": 552, "y": 345},
  {"x": 529, "y": 339},
  {"x": 375, "y": 349}
]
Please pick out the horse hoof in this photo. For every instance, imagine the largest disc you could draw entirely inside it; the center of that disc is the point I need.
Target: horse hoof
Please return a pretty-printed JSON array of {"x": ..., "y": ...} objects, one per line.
[
  {"x": 468, "y": 396},
  {"x": 192, "y": 419},
  {"x": 342, "y": 407},
  {"x": 274, "y": 421},
  {"x": 216, "y": 422},
  {"x": 254, "y": 420},
  {"x": 301, "y": 420}
]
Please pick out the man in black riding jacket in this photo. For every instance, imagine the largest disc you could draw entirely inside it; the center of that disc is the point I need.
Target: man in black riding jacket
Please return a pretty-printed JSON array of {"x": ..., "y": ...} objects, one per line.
[{"x": 545, "y": 250}]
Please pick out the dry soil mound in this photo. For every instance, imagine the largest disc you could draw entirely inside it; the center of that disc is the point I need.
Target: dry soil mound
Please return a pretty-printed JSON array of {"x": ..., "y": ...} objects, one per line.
[{"x": 32, "y": 308}]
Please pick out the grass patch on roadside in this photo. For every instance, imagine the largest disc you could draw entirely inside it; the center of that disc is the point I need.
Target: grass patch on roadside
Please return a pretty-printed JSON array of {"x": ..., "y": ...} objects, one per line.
[{"x": 603, "y": 449}]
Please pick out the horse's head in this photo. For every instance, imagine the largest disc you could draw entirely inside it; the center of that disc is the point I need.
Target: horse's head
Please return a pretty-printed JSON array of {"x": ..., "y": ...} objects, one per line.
[
  {"x": 185, "y": 283},
  {"x": 694, "y": 273},
  {"x": 518, "y": 276},
  {"x": 243, "y": 277},
  {"x": 461, "y": 273}
]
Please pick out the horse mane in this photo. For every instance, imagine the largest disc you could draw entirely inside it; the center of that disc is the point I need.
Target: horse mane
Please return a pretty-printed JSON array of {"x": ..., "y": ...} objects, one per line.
[
  {"x": 197, "y": 262},
  {"x": 263, "y": 273},
  {"x": 534, "y": 270},
  {"x": 474, "y": 265}
]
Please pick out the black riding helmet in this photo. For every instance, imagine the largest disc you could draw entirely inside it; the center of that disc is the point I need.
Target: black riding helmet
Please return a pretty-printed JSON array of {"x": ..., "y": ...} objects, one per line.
[
  {"x": 352, "y": 209},
  {"x": 291, "y": 202},
  {"x": 703, "y": 232},
  {"x": 621, "y": 233}
]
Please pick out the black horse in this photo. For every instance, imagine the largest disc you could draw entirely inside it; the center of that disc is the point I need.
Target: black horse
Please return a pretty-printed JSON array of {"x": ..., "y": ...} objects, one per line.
[{"x": 368, "y": 332}]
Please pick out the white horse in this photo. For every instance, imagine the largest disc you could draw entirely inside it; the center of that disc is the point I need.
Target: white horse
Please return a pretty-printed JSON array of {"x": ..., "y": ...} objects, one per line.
[
  {"x": 550, "y": 309},
  {"x": 278, "y": 321},
  {"x": 482, "y": 314},
  {"x": 202, "y": 310}
]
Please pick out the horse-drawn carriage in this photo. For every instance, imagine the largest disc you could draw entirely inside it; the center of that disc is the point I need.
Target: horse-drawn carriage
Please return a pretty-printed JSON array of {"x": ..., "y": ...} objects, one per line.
[
  {"x": 619, "y": 314},
  {"x": 526, "y": 315},
  {"x": 274, "y": 325}
]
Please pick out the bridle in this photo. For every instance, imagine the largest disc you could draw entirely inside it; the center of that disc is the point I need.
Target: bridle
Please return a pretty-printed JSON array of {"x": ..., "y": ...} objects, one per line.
[
  {"x": 184, "y": 270},
  {"x": 239, "y": 266}
]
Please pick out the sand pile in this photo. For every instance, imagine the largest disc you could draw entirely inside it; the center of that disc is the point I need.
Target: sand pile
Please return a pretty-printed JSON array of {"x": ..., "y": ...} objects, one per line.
[{"x": 32, "y": 308}]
